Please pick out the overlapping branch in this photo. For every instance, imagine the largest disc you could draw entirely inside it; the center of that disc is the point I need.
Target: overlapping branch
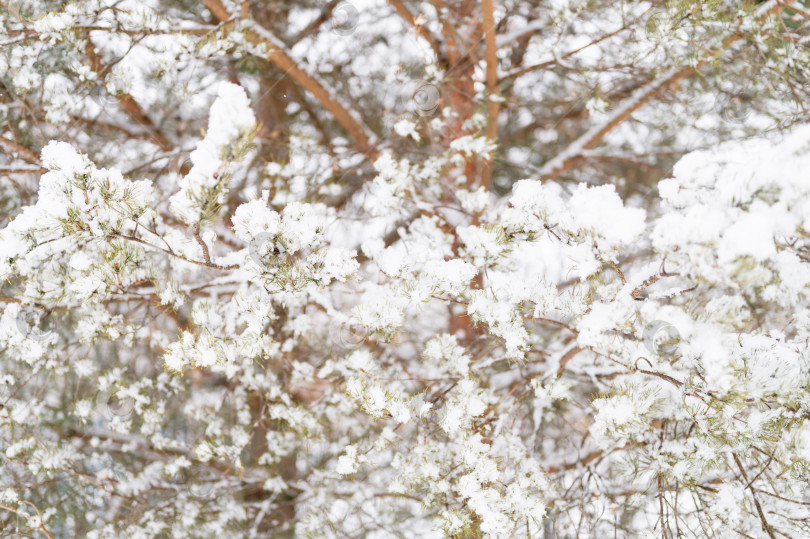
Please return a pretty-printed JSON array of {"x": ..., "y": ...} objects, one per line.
[
  {"x": 565, "y": 160},
  {"x": 278, "y": 54}
]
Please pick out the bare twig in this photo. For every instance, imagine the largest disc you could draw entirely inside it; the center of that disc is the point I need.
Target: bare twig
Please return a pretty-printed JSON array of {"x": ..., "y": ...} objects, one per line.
[
  {"x": 195, "y": 231},
  {"x": 9, "y": 171},
  {"x": 618, "y": 270},
  {"x": 568, "y": 356},
  {"x": 528, "y": 69},
  {"x": 189, "y": 260},
  {"x": 765, "y": 526},
  {"x": 41, "y": 522},
  {"x": 403, "y": 11},
  {"x": 23, "y": 152}
]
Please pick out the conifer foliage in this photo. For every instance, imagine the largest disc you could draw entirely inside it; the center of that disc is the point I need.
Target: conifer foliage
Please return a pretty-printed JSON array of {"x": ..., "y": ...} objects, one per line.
[{"x": 404, "y": 268}]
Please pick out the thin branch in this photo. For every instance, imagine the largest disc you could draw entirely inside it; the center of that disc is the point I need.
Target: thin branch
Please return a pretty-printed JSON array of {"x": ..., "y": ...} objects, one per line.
[
  {"x": 41, "y": 522},
  {"x": 635, "y": 368},
  {"x": 403, "y": 11},
  {"x": 553, "y": 322},
  {"x": 568, "y": 356},
  {"x": 23, "y": 152},
  {"x": 313, "y": 27},
  {"x": 9, "y": 171},
  {"x": 522, "y": 71},
  {"x": 527, "y": 30},
  {"x": 661, "y": 506},
  {"x": 618, "y": 270},
  {"x": 195, "y": 31},
  {"x": 624, "y": 158},
  {"x": 217, "y": 9},
  {"x": 765, "y": 526},
  {"x": 590, "y": 457},
  {"x": 127, "y": 102},
  {"x": 281, "y": 57},
  {"x": 450, "y": 44},
  {"x": 195, "y": 231},
  {"x": 189, "y": 260},
  {"x": 590, "y": 139},
  {"x": 652, "y": 280},
  {"x": 794, "y": 6}
]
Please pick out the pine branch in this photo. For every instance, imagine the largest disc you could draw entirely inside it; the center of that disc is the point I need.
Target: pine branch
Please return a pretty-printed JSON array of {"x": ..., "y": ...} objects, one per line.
[
  {"x": 127, "y": 102},
  {"x": 565, "y": 160},
  {"x": 281, "y": 57}
]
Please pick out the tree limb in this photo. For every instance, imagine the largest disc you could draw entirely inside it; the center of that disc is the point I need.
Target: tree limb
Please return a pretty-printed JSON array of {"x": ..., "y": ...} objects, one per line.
[
  {"x": 590, "y": 139},
  {"x": 280, "y": 56},
  {"x": 23, "y": 152},
  {"x": 127, "y": 102},
  {"x": 765, "y": 526},
  {"x": 403, "y": 11}
]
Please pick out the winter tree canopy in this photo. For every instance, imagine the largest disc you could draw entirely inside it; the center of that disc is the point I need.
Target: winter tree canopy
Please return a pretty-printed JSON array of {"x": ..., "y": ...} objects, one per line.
[{"x": 404, "y": 268}]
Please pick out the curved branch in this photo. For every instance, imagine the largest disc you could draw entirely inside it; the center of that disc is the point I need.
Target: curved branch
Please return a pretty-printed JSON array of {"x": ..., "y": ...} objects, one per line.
[
  {"x": 519, "y": 72},
  {"x": 591, "y": 138},
  {"x": 127, "y": 102},
  {"x": 189, "y": 260},
  {"x": 41, "y": 526},
  {"x": 403, "y": 11},
  {"x": 281, "y": 57}
]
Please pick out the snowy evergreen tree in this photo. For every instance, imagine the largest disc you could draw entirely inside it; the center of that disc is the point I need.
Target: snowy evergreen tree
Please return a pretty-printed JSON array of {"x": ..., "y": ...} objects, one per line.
[{"x": 404, "y": 268}]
